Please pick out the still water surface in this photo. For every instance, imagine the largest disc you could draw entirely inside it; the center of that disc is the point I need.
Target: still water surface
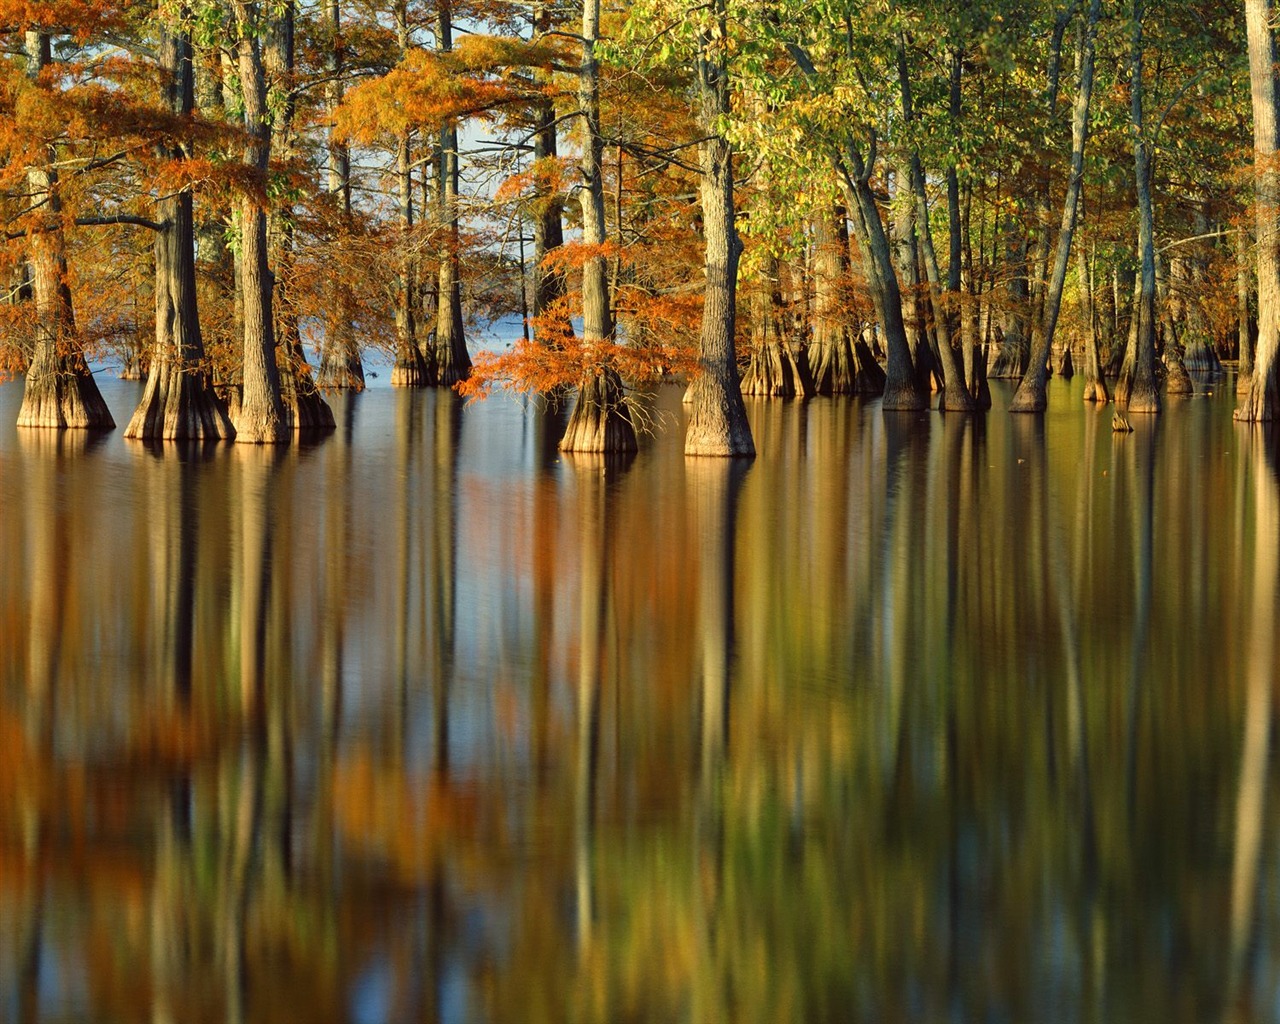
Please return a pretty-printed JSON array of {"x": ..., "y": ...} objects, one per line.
[{"x": 912, "y": 718}]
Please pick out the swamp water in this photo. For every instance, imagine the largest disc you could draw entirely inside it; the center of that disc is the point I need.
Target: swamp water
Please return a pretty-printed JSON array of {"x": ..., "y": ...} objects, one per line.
[{"x": 912, "y": 718}]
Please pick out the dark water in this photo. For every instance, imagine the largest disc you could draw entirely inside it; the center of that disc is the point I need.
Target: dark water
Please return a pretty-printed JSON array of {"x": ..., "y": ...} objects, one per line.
[{"x": 914, "y": 718}]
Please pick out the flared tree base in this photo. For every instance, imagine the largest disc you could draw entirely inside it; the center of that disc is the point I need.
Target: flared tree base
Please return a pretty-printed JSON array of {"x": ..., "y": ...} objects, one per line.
[
  {"x": 134, "y": 367},
  {"x": 411, "y": 370},
  {"x": 841, "y": 368},
  {"x": 1066, "y": 365},
  {"x": 1201, "y": 358},
  {"x": 1259, "y": 402},
  {"x": 1030, "y": 397},
  {"x": 1095, "y": 390},
  {"x": 179, "y": 405},
  {"x": 341, "y": 372},
  {"x": 1178, "y": 380},
  {"x": 979, "y": 386},
  {"x": 61, "y": 394},
  {"x": 778, "y": 371},
  {"x": 453, "y": 363},
  {"x": 257, "y": 422},
  {"x": 903, "y": 397},
  {"x": 1010, "y": 361},
  {"x": 956, "y": 397},
  {"x": 1144, "y": 398},
  {"x": 305, "y": 409},
  {"x": 717, "y": 420},
  {"x": 600, "y": 421},
  {"x": 308, "y": 411}
]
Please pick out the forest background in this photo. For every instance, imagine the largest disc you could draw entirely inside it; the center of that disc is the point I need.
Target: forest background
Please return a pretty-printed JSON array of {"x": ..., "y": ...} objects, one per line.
[{"x": 239, "y": 200}]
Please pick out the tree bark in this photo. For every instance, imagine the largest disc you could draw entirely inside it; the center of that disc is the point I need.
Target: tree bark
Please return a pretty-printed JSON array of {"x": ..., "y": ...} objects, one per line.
[
  {"x": 854, "y": 173},
  {"x": 1259, "y": 403},
  {"x": 1095, "y": 384},
  {"x": 453, "y": 363},
  {"x": 1031, "y": 396},
  {"x": 1244, "y": 319},
  {"x": 777, "y": 368},
  {"x": 178, "y": 402},
  {"x": 900, "y": 390},
  {"x": 839, "y": 360},
  {"x": 1177, "y": 379},
  {"x": 261, "y": 417},
  {"x": 955, "y": 392},
  {"x": 60, "y": 391},
  {"x": 340, "y": 363},
  {"x": 1136, "y": 387},
  {"x": 717, "y": 418},
  {"x": 960, "y": 266},
  {"x": 1013, "y": 354},
  {"x": 906, "y": 253},
  {"x": 305, "y": 408},
  {"x": 411, "y": 369},
  {"x": 548, "y": 229},
  {"x": 600, "y": 421}
]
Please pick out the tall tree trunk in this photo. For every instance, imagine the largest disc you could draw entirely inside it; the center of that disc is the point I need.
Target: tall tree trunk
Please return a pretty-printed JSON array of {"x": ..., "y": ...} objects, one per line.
[
  {"x": 777, "y": 368},
  {"x": 60, "y": 391},
  {"x": 1244, "y": 319},
  {"x": 1095, "y": 384},
  {"x": 717, "y": 418},
  {"x": 975, "y": 362},
  {"x": 261, "y": 417},
  {"x": 854, "y": 173},
  {"x": 1260, "y": 402},
  {"x": 1136, "y": 387},
  {"x": 600, "y": 421},
  {"x": 900, "y": 390},
  {"x": 548, "y": 229},
  {"x": 955, "y": 392},
  {"x": 340, "y": 364},
  {"x": 1038, "y": 277},
  {"x": 907, "y": 256},
  {"x": 1124, "y": 282},
  {"x": 411, "y": 369},
  {"x": 216, "y": 266},
  {"x": 453, "y": 363},
  {"x": 1030, "y": 396},
  {"x": 1177, "y": 379},
  {"x": 961, "y": 309},
  {"x": 1013, "y": 354},
  {"x": 839, "y": 360},
  {"x": 305, "y": 408},
  {"x": 1200, "y": 344},
  {"x": 178, "y": 401}
]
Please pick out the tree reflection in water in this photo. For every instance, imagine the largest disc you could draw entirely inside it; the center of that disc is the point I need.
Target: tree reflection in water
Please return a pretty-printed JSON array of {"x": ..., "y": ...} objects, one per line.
[{"x": 913, "y": 718}]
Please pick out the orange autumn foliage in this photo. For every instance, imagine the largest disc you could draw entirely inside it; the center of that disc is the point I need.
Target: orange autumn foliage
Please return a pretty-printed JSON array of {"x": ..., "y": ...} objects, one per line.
[{"x": 425, "y": 90}]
